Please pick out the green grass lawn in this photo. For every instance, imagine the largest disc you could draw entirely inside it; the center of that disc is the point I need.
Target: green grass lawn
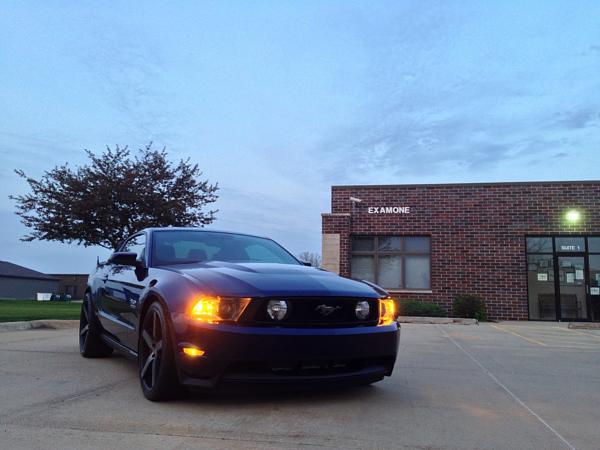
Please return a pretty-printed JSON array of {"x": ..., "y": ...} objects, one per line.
[{"x": 17, "y": 310}]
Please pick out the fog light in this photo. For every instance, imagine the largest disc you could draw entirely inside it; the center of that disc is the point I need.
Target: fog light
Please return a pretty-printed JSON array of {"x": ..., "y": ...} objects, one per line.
[
  {"x": 193, "y": 351},
  {"x": 362, "y": 310},
  {"x": 277, "y": 309}
]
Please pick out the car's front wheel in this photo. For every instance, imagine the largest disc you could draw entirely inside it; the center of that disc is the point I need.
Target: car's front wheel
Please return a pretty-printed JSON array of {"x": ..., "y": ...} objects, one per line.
[
  {"x": 90, "y": 342},
  {"x": 158, "y": 375}
]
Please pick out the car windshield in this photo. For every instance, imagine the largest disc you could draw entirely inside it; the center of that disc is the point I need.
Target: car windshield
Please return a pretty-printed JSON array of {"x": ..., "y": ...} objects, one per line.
[{"x": 181, "y": 247}]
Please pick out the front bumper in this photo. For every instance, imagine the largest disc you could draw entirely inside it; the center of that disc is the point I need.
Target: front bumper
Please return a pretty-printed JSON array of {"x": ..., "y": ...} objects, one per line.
[{"x": 239, "y": 354}]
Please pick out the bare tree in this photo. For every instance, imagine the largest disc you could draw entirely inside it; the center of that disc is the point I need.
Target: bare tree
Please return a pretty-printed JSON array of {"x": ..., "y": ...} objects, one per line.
[{"x": 313, "y": 258}]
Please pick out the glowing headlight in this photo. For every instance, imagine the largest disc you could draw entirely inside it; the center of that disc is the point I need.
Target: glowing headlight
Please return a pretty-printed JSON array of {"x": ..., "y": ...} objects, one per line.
[
  {"x": 218, "y": 309},
  {"x": 362, "y": 309},
  {"x": 277, "y": 309},
  {"x": 387, "y": 311}
]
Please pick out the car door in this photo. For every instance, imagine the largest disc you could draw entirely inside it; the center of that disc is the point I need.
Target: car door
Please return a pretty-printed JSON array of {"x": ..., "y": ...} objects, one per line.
[{"x": 122, "y": 290}]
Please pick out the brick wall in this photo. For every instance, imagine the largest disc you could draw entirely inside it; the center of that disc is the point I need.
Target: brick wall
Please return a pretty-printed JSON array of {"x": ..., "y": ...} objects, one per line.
[
  {"x": 477, "y": 232},
  {"x": 79, "y": 281}
]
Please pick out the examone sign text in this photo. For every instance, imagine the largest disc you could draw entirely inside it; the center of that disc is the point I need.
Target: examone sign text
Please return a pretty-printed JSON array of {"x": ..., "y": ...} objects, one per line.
[{"x": 388, "y": 210}]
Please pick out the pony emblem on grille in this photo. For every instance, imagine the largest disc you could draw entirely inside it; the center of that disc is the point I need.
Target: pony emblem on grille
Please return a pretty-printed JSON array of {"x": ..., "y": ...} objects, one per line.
[{"x": 326, "y": 310}]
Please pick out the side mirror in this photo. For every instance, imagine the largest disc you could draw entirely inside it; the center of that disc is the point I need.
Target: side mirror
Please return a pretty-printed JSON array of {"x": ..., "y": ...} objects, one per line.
[
  {"x": 306, "y": 263},
  {"x": 123, "y": 259}
]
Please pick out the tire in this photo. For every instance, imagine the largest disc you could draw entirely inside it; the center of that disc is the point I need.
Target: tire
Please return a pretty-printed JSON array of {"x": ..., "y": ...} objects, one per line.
[
  {"x": 91, "y": 344},
  {"x": 156, "y": 357}
]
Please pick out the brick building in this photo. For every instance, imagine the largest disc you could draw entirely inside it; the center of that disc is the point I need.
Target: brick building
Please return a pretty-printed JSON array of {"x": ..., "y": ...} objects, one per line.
[
  {"x": 531, "y": 250},
  {"x": 72, "y": 284}
]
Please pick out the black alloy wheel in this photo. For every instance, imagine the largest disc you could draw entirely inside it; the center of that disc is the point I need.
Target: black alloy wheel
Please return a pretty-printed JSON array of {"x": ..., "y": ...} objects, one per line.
[
  {"x": 90, "y": 342},
  {"x": 157, "y": 372}
]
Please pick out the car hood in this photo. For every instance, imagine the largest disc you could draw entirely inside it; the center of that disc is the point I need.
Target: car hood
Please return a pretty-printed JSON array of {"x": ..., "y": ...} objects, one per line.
[{"x": 271, "y": 280}]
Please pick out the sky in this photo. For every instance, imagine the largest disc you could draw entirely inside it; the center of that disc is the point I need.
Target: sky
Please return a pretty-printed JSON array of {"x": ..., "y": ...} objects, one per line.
[{"x": 278, "y": 101}]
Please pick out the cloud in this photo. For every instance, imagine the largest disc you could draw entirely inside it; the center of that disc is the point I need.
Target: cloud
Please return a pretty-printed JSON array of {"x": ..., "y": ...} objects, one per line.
[
  {"x": 129, "y": 70},
  {"x": 468, "y": 141},
  {"x": 578, "y": 118},
  {"x": 33, "y": 146},
  {"x": 278, "y": 215},
  {"x": 33, "y": 152},
  {"x": 452, "y": 98}
]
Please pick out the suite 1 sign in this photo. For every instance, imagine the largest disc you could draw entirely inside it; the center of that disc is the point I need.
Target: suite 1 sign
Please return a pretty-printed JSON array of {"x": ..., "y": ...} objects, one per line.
[{"x": 388, "y": 210}]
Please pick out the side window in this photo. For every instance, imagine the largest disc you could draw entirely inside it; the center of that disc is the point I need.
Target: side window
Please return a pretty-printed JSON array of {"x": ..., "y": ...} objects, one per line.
[{"x": 136, "y": 244}]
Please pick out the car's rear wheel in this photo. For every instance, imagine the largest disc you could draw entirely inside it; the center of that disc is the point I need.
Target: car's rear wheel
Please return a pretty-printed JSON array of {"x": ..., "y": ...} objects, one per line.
[
  {"x": 156, "y": 358},
  {"x": 90, "y": 342}
]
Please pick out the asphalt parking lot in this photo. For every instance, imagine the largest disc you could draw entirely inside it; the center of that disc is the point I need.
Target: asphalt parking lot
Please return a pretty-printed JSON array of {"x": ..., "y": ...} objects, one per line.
[{"x": 500, "y": 386}]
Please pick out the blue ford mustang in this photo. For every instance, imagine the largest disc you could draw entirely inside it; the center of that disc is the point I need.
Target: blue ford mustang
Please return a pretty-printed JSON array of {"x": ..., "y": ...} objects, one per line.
[{"x": 201, "y": 308}]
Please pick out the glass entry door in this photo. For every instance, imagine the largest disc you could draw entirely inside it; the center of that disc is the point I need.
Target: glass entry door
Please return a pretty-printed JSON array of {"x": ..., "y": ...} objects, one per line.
[
  {"x": 563, "y": 277},
  {"x": 572, "y": 288},
  {"x": 540, "y": 281},
  {"x": 594, "y": 286}
]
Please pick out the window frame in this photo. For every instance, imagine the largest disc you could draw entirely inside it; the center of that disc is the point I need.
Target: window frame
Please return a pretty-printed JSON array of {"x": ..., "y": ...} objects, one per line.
[{"x": 376, "y": 253}]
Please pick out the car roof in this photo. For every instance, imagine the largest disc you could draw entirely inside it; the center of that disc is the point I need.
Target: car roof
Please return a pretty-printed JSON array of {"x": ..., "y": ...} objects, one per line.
[{"x": 204, "y": 230}]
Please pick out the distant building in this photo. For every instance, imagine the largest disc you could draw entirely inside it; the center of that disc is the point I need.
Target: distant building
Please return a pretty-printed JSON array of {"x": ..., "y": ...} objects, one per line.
[
  {"x": 18, "y": 282},
  {"x": 71, "y": 284}
]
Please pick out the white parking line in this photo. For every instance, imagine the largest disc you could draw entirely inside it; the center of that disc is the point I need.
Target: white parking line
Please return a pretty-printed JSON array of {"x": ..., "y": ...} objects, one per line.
[{"x": 507, "y": 390}]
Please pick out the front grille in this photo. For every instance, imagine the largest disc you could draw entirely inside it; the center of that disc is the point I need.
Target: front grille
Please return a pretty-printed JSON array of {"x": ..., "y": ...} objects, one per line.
[{"x": 314, "y": 311}]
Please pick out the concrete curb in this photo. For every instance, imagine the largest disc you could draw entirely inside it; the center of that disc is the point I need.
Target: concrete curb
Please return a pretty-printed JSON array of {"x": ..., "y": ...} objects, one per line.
[
  {"x": 438, "y": 320},
  {"x": 38, "y": 324},
  {"x": 584, "y": 326}
]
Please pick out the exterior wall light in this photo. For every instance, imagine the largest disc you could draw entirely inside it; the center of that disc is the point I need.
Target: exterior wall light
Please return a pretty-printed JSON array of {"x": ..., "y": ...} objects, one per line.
[{"x": 573, "y": 216}]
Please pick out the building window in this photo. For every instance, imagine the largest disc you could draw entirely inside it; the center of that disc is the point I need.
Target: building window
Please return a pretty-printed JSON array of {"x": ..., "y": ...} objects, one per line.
[
  {"x": 393, "y": 262},
  {"x": 570, "y": 244}
]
